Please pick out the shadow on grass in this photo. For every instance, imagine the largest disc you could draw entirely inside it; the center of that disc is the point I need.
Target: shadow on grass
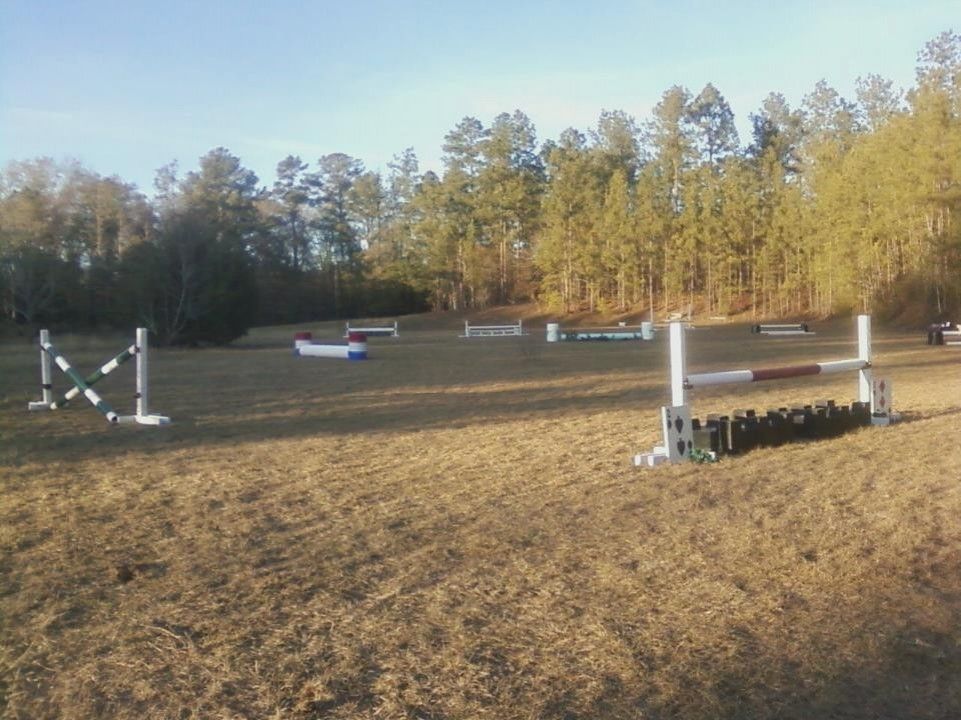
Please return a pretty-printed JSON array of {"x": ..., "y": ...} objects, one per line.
[
  {"x": 60, "y": 437},
  {"x": 914, "y": 676}
]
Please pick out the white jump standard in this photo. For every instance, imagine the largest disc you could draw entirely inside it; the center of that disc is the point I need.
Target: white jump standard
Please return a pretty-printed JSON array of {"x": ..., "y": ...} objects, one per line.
[
  {"x": 492, "y": 330},
  {"x": 676, "y": 420},
  {"x": 82, "y": 386},
  {"x": 373, "y": 330}
]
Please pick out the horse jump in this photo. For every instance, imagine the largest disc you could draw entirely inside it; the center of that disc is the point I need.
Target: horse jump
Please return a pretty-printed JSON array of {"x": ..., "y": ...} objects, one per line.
[
  {"x": 355, "y": 349},
  {"x": 789, "y": 329},
  {"x": 83, "y": 385},
  {"x": 945, "y": 333},
  {"x": 676, "y": 420},
  {"x": 644, "y": 332},
  {"x": 385, "y": 330},
  {"x": 492, "y": 330}
]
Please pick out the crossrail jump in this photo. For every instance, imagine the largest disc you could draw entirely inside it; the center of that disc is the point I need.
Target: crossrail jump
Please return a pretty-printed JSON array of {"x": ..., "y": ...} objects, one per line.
[{"x": 49, "y": 355}]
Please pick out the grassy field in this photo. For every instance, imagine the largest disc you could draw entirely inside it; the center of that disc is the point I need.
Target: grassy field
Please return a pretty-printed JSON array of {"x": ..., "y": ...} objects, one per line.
[{"x": 452, "y": 530}]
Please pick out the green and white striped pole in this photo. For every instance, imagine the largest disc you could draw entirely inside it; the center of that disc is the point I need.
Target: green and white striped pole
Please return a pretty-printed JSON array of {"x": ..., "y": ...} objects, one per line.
[
  {"x": 94, "y": 377},
  {"x": 77, "y": 380}
]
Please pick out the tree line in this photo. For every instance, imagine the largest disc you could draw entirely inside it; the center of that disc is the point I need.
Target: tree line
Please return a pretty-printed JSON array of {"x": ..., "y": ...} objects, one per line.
[{"x": 832, "y": 206}]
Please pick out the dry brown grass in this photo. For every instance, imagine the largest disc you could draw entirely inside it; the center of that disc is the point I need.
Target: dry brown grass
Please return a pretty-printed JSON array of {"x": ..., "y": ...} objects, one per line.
[{"x": 452, "y": 530}]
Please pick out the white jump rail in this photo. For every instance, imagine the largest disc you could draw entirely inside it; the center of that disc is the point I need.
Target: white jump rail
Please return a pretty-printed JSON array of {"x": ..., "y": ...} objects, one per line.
[
  {"x": 376, "y": 330},
  {"x": 682, "y": 382},
  {"x": 82, "y": 386},
  {"x": 492, "y": 330}
]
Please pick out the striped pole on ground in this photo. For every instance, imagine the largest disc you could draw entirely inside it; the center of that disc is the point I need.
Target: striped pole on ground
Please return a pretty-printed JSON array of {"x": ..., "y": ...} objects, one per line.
[
  {"x": 77, "y": 380},
  {"x": 97, "y": 375}
]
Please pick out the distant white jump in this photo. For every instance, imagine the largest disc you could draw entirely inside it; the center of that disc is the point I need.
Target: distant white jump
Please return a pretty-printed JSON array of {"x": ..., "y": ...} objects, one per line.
[
  {"x": 784, "y": 329},
  {"x": 944, "y": 333},
  {"x": 492, "y": 330},
  {"x": 372, "y": 330},
  {"x": 645, "y": 331}
]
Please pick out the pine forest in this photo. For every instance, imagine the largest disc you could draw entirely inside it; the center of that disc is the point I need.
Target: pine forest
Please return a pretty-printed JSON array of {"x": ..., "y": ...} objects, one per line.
[{"x": 835, "y": 206}]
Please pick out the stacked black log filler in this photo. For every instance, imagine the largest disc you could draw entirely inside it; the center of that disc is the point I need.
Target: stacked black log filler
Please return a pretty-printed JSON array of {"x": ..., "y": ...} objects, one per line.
[{"x": 744, "y": 430}]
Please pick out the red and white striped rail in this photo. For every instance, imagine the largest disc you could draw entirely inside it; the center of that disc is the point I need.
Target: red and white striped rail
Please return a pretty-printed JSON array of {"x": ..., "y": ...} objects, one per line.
[
  {"x": 681, "y": 382},
  {"x": 743, "y": 376}
]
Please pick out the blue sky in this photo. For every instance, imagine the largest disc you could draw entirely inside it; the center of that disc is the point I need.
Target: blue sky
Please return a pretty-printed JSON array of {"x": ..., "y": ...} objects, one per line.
[{"x": 126, "y": 87}]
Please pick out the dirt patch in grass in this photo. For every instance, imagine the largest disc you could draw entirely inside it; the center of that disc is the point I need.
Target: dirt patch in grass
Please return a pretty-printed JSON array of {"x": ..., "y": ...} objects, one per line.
[{"x": 452, "y": 530}]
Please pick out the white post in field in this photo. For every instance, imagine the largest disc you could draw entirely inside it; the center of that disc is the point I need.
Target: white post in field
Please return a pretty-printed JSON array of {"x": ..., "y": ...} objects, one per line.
[
  {"x": 864, "y": 354},
  {"x": 678, "y": 366}
]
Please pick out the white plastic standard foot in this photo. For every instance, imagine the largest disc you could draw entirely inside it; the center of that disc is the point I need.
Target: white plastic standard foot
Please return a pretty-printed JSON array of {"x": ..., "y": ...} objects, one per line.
[
  {"x": 651, "y": 459},
  {"x": 152, "y": 419}
]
